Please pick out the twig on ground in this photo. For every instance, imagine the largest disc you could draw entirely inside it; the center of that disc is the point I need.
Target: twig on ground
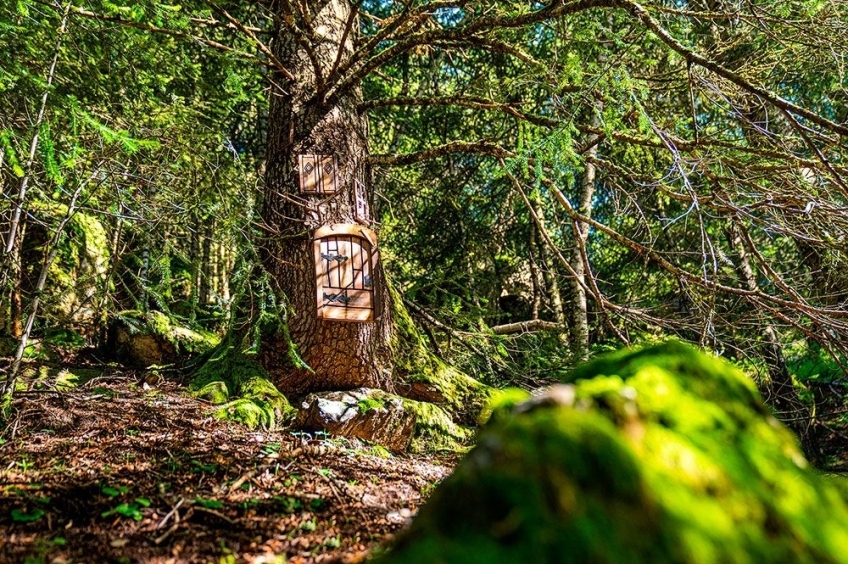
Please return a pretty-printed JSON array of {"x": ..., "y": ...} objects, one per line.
[
  {"x": 217, "y": 514},
  {"x": 170, "y": 514}
]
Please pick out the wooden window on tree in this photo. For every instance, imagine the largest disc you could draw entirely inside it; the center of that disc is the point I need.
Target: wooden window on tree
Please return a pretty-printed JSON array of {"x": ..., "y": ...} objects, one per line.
[
  {"x": 318, "y": 174},
  {"x": 360, "y": 203},
  {"x": 345, "y": 257}
]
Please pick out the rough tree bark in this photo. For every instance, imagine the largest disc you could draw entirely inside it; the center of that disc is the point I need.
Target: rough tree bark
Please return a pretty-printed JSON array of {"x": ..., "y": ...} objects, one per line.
[{"x": 343, "y": 355}]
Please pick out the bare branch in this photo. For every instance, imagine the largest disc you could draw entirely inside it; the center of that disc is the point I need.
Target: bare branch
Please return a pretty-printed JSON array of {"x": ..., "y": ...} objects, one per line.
[{"x": 482, "y": 148}]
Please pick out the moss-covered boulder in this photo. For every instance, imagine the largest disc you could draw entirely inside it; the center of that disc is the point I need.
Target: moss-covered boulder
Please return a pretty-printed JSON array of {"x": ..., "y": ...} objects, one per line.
[
  {"x": 146, "y": 339},
  {"x": 658, "y": 455},
  {"x": 434, "y": 429},
  {"x": 78, "y": 272},
  {"x": 395, "y": 422}
]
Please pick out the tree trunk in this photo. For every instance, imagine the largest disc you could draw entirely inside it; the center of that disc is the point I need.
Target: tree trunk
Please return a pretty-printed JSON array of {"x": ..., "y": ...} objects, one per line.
[
  {"x": 341, "y": 354},
  {"x": 196, "y": 267},
  {"x": 208, "y": 276},
  {"x": 16, "y": 269},
  {"x": 535, "y": 273},
  {"x": 579, "y": 318},
  {"x": 549, "y": 269}
]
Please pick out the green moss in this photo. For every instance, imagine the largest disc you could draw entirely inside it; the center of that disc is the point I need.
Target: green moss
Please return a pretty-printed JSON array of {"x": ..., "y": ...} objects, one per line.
[
  {"x": 215, "y": 392},
  {"x": 95, "y": 240},
  {"x": 367, "y": 404},
  {"x": 501, "y": 402},
  {"x": 434, "y": 428},
  {"x": 464, "y": 397},
  {"x": 158, "y": 324},
  {"x": 667, "y": 455},
  {"x": 380, "y": 451},
  {"x": 231, "y": 374},
  {"x": 81, "y": 263}
]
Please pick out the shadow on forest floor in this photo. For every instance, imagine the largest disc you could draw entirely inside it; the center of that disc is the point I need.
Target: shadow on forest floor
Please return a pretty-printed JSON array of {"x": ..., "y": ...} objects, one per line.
[{"x": 120, "y": 471}]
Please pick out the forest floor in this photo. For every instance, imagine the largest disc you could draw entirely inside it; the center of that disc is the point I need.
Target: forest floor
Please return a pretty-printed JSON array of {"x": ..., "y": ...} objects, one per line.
[
  {"x": 123, "y": 466},
  {"x": 127, "y": 468}
]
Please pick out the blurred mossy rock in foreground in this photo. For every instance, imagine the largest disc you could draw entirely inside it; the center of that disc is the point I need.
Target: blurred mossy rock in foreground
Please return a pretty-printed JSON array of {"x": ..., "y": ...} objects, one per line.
[
  {"x": 146, "y": 339},
  {"x": 664, "y": 454}
]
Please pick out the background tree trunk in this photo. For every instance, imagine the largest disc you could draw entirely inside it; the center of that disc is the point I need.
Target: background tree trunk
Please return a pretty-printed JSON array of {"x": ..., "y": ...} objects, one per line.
[
  {"x": 579, "y": 313},
  {"x": 342, "y": 355},
  {"x": 549, "y": 270}
]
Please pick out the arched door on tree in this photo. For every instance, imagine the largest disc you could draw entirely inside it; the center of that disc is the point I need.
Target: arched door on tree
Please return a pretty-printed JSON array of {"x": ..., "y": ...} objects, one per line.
[{"x": 345, "y": 257}]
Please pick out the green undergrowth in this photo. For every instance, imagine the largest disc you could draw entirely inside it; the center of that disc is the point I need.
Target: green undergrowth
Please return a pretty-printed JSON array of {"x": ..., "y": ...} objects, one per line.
[
  {"x": 241, "y": 387},
  {"x": 230, "y": 376},
  {"x": 662, "y": 455}
]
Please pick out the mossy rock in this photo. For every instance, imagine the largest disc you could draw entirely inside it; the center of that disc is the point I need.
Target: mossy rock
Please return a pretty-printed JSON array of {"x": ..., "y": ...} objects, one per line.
[
  {"x": 79, "y": 271},
  {"x": 152, "y": 338},
  {"x": 397, "y": 423},
  {"x": 658, "y": 455},
  {"x": 365, "y": 413}
]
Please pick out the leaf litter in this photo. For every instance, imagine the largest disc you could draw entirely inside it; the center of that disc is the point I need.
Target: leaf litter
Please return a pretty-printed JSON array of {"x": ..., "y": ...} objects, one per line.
[{"x": 114, "y": 472}]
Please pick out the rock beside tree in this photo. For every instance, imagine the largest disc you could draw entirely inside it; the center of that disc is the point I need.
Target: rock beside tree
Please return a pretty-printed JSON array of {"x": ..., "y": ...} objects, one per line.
[
  {"x": 146, "y": 339},
  {"x": 659, "y": 455}
]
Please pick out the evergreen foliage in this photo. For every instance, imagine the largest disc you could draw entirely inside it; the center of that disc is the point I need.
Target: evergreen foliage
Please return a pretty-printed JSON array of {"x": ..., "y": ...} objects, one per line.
[{"x": 715, "y": 212}]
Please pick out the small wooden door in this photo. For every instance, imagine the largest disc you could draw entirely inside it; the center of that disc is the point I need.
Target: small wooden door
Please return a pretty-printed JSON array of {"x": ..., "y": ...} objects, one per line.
[{"x": 345, "y": 257}]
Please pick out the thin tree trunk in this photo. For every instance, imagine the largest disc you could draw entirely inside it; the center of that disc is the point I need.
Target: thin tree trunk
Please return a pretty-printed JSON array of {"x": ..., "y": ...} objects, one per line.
[
  {"x": 535, "y": 273},
  {"x": 341, "y": 354},
  {"x": 230, "y": 265},
  {"x": 579, "y": 319},
  {"x": 144, "y": 275},
  {"x": 196, "y": 267},
  {"x": 114, "y": 261},
  {"x": 22, "y": 190},
  {"x": 549, "y": 271},
  {"x": 207, "y": 271},
  {"x": 16, "y": 272},
  {"x": 222, "y": 269}
]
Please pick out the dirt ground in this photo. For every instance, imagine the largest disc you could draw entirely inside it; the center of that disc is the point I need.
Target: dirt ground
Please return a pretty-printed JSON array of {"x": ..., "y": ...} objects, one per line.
[{"x": 125, "y": 469}]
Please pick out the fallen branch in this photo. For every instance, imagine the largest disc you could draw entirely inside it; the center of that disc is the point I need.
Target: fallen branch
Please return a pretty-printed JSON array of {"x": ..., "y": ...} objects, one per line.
[{"x": 528, "y": 326}]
